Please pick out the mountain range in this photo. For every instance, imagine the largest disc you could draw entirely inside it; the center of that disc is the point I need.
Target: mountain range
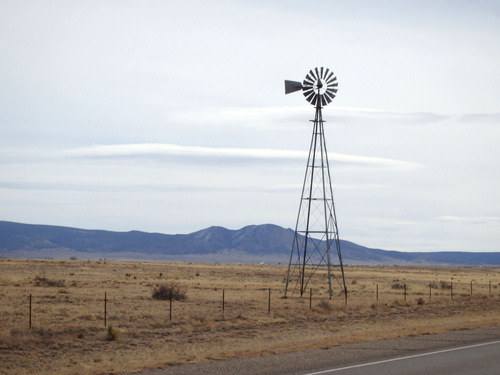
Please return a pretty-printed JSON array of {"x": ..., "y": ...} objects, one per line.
[{"x": 266, "y": 243}]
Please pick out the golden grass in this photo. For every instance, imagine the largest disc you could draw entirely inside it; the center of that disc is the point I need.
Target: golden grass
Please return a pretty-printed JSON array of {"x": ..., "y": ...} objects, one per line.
[{"x": 68, "y": 334}]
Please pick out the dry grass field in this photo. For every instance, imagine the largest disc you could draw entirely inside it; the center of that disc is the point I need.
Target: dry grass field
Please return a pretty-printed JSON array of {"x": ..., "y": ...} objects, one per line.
[{"x": 68, "y": 334}]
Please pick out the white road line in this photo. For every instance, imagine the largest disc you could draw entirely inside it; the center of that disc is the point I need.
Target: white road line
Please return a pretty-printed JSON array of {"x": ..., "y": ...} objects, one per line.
[{"x": 402, "y": 358}]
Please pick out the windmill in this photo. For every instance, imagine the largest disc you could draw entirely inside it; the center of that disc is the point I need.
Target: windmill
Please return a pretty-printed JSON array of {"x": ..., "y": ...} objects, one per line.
[{"x": 316, "y": 233}]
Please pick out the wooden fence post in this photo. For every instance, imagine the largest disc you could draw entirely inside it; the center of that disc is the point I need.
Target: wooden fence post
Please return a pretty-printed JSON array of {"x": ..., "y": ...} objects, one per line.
[
  {"x": 377, "y": 293},
  {"x": 105, "y": 308},
  {"x": 30, "y": 314},
  {"x": 405, "y": 292},
  {"x": 170, "y": 308},
  {"x": 310, "y": 298},
  {"x": 269, "y": 302},
  {"x": 451, "y": 290},
  {"x": 223, "y": 302}
]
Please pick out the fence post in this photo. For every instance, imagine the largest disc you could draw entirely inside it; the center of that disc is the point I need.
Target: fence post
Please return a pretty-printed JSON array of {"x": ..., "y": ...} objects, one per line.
[
  {"x": 105, "y": 308},
  {"x": 223, "y": 302},
  {"x": 471, "y": 288},
  {"x": 376, "y": 293},
  {"x": 170, "y": 298},
  {"x": 451, "y": 290},
  {"x": 269, "y": 302},
  {"x": 489, "y": 287},
  {"x": 30, "y": 314},
  {"x": 405, "y": 292},
  {"x": 430, "y": 291},
  {"x": 310, "y": 298}
]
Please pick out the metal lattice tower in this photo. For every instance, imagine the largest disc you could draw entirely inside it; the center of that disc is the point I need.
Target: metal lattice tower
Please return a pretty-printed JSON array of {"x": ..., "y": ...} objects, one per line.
[{"x": 316, "y": 233}]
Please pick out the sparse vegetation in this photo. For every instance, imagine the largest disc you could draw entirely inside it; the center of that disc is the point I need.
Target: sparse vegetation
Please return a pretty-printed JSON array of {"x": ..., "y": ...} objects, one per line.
[
  {"x": 324, "y": 305},
  {"x": 169, "y": 290},
  {"x": 68, "y": 333},
  {"x": 112, "y": 334},
  {"x": 445, "y": 285},
  {"x": 43, "y": 281},
  {"x": 397, "y": 285}
]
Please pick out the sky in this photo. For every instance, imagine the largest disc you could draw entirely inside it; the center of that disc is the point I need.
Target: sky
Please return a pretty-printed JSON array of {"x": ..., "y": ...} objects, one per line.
[{"x": 171, "y": 116}]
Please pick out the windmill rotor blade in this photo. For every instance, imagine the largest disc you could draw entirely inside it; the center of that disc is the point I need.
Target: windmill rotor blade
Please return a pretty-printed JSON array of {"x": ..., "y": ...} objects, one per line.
[
  {"x": 316, "y": 99},
  {"x": 310, "y": 96},
  {"x": 329, "y": 76},
  {"x": 308, "y": 83},
  {"x": 312, "y": 74},
  {"x": 332, "y": 85},
  {"x": 309, "y": 78},
  {"x": 333, "y": 79},
  {"x": 332, "y": 93},
  {"x": 323, "y": 100},
  {"x": 307, "y": 92},
  {"x": 317, "y": 73},
  {"x": 321, "y": 70},
  {"x": 292, "y": 86},
  {"x": 329, "y": 96},
  {"x": 328, "y": 99}
]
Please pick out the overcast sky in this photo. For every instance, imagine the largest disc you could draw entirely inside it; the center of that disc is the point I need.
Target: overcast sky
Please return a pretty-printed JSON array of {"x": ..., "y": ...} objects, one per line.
[{"x": 170, "y": 116}]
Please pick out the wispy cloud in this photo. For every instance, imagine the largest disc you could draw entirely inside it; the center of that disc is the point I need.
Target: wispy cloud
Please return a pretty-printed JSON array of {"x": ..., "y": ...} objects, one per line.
[
  {"x": 260, "y": 116},
  {"x": 361, "y": 116},
  {"x": 481, "y": 117},
  {"x": 153, "y": 150},
  {"x": 471, "y": 219}
]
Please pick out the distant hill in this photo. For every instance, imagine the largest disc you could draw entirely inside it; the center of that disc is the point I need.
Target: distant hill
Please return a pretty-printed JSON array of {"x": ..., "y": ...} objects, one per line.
[{"x": 251, "y": 244}]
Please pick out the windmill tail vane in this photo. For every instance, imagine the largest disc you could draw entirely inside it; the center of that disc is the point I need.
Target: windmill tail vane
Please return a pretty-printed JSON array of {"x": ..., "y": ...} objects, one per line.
[{"x": 316, "y": 233}]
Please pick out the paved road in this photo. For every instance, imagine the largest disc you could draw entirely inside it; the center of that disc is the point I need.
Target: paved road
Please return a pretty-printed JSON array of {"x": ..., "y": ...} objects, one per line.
[
  {"x": 479, "y": 354},
  {"x": 464, "y": 360}
]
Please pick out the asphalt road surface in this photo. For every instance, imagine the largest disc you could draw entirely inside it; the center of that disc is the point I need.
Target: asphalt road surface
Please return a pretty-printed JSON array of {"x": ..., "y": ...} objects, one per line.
[{"x": 460, "y": 352}]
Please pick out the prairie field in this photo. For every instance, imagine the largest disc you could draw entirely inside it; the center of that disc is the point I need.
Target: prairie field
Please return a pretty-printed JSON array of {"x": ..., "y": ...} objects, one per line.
[{"x": 100, "y": 317}]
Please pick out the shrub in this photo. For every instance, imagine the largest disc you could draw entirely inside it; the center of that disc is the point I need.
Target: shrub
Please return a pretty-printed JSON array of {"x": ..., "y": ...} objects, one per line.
[
  {"x": 445, "y": 285},
  {"x": 43, "y": 281},
  {"x": 420, "y": 301},
  {"x": 397, "y": 286},
  {"x": 324, "y": 305},
  {"x": 112, "y": 334},
  {"x": 165, "y": 291}
]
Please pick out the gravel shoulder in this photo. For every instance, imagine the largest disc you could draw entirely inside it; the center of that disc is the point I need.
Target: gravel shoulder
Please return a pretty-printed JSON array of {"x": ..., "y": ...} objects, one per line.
[{"x": 304, "y": 361}]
